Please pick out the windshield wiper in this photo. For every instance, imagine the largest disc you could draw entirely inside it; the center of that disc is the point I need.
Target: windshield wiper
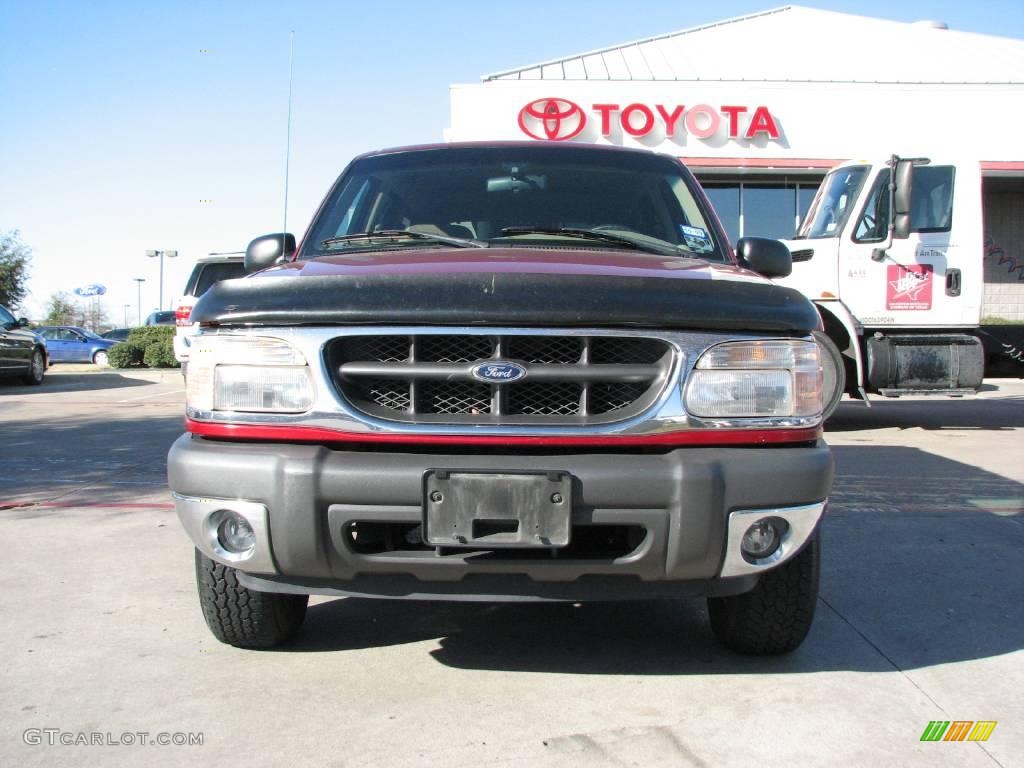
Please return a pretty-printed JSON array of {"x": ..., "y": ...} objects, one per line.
[
  {"x": 592, "y": 234},
  {"x": 399, "y": 234}
]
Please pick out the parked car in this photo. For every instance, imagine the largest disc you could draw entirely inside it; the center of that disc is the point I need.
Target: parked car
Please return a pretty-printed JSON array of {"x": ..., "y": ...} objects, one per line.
[
  {"x": 71, "y": 344},
  {"x": 22, "y": 351},
  {"x": 507, "y": 372},
  {"x": 117, "y": 334},
  {"x": 207, "y": 272},
  {"x": 162, "y": 317}
]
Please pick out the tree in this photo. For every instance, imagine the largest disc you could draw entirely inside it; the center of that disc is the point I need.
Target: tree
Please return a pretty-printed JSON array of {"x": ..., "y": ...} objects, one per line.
[
  {"x": 60, "y": 310},
  {"x": 14, "y": 259},
  {"x": 94, "y": 315}
]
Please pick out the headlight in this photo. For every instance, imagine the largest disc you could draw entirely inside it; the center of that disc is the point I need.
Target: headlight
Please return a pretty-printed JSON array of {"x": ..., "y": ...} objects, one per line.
[
  {"x": 756, "y": 379},
  {"x": 247, "y": 373}
]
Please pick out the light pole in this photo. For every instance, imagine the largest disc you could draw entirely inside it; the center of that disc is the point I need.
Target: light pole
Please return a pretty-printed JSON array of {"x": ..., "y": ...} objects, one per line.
[
  {"x": 126, "y": 315},
  {"x": 161, "y": 254},
  {"x": 138, "y": 307}
]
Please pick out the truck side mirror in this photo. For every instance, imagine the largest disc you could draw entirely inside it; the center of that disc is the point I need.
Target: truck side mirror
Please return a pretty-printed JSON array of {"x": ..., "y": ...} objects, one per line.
[
  {"x": 764, "y": 256},
  {"x": 903, "y": 175},
  {"x": 268, "y": 250}
]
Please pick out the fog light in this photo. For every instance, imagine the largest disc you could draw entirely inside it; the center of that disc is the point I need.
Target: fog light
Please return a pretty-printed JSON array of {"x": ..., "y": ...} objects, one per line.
[
  {"x": 762, "y": 538},
  {"x": 235, "y": 534}
]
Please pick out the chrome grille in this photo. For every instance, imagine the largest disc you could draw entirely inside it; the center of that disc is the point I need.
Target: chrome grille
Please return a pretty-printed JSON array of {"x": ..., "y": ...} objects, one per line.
[
  {"x": 570, "y": 379},
  {"x": 453, "y": 397},
  {"x": 544, "y": 349},
  {"x": 543, "y": 398}
]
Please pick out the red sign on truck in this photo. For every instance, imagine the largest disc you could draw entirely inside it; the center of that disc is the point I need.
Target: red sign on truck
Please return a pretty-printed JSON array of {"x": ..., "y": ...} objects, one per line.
[{"x": 909, "y": 287}]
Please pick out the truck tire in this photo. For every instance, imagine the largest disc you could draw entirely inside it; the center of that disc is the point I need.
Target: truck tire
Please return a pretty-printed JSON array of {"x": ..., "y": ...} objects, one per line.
[
  {"x": 834, "y": 370},
  {"x": 243, "y": 617},
  {"x": 775, "y": 616}
]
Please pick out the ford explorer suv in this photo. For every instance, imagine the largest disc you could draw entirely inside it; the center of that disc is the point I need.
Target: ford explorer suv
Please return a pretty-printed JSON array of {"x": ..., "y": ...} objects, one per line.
[{"x": 506, "y": 372}]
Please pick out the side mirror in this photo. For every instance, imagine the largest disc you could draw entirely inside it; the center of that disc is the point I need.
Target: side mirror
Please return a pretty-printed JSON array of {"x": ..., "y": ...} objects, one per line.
[
  {"x": 268, "y": 250},
  {"x": 903, "y": 177},
  {"x": 23, "y": 322},
  {"x": 764, "y": 256}
]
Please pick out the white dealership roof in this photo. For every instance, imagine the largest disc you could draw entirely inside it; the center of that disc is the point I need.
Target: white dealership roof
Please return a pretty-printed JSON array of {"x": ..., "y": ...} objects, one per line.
[{"x": 797, "y": 44}]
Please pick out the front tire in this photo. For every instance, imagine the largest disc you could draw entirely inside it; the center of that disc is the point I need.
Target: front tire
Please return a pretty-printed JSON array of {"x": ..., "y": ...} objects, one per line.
[
  {"x": 36, "y": 369},
  {"x": 775, "y": 616},
  {"x": 243, "y": 617}
]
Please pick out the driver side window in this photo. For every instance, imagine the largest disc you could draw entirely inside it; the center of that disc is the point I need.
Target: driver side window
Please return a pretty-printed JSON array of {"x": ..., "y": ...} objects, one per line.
[{"x": 873, "y": 225}]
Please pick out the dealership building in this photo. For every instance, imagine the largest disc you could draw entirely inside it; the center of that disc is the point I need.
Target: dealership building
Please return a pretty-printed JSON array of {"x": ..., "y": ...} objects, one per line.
[{"x": 761, "y": 106}]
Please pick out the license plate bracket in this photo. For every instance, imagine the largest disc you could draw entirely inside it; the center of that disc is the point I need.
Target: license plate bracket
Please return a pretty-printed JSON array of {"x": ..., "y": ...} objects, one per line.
[{"x": 497, "y": 509}]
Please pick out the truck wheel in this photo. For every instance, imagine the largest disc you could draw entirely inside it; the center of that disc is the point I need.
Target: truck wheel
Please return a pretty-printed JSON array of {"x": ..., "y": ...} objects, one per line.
[
  {"x": 775, "y": 616},
  {"x": 242, "y": 617},
  {"x": 834, "y": 372}
]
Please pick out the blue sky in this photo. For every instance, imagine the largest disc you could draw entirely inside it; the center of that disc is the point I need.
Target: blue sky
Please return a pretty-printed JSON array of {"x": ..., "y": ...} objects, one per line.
[{"x": 117, "y": 124}]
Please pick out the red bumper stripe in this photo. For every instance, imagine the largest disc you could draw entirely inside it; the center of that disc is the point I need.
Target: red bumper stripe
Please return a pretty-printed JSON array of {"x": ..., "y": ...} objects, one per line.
[{"x": 290, "y": 434}]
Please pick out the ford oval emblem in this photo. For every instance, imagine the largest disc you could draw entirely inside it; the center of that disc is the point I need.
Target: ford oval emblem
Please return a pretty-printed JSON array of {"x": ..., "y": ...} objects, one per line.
[{"x": 498, "y": 372}]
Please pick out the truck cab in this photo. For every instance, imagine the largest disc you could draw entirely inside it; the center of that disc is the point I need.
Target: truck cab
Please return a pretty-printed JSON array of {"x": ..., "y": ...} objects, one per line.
[{"x": 894, "y": 263}]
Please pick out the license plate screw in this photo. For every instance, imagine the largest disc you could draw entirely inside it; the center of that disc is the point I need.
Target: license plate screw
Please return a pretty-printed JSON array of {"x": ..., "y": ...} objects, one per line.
[
  {"x": 556, "y": 498},
  {"x": 436, "y": 496}
]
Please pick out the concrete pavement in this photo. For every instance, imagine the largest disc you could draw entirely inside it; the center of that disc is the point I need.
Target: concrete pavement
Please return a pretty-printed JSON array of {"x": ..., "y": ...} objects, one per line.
[{"x": 919, "y": 620}]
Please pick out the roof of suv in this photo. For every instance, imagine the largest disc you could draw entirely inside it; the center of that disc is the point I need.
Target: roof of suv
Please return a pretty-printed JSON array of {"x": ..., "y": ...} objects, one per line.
[
  {"x": 512, "y": 145},
  {"x": 214, "y": 258}
]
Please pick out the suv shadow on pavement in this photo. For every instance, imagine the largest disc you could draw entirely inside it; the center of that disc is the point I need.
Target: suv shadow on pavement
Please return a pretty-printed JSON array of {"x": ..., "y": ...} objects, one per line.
[{"x": 919, "y": 571}]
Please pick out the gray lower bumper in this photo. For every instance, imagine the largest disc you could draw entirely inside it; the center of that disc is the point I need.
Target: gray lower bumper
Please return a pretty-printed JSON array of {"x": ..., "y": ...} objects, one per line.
[{"x": 689, "y": 503}]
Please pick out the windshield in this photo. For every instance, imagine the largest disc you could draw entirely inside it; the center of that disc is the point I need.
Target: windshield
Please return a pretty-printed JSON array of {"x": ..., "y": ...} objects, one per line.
[
  {"x": 515, "y": 196},
  {"x": 832, "y": 203}
]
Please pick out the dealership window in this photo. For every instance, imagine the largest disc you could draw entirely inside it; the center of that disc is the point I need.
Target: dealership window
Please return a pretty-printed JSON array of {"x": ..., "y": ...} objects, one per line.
[
  {"x": 761, "y": 208},
  {"x": 726, "y": 202}
]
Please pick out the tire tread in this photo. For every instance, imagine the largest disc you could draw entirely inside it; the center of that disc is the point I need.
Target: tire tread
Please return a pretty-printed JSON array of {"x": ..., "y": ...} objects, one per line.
[
  {"x": 775, "y": 616},
  {"x": 243, "y": 617}
]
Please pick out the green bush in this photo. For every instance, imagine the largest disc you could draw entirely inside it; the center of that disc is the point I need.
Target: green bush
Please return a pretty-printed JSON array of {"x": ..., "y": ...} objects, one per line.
[
  {"x": 151, "y": 345},
  {"x": 125, "y": 355},
  {"x": 150, "y": 334},
  {"x": 160, "y": 354}
]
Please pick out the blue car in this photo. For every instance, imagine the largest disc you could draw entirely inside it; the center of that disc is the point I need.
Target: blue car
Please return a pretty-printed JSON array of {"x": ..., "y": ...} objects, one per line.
[{"x": 70, "y": 344}]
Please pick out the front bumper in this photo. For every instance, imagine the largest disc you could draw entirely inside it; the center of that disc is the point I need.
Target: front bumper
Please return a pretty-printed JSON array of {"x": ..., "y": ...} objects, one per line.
[{"x": 685, "y": 505}]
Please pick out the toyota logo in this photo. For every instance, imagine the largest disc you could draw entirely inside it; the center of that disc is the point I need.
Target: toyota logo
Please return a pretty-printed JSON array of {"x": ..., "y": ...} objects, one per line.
[{"x": 552, "y": 119}]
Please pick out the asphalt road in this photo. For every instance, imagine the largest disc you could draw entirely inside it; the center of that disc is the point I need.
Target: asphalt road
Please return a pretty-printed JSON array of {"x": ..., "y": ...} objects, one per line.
[{"x": 920, "y": 619}]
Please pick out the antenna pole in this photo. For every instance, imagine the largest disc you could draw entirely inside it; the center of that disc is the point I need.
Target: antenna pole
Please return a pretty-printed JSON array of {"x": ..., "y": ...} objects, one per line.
[{"x": 288, "y": 140}]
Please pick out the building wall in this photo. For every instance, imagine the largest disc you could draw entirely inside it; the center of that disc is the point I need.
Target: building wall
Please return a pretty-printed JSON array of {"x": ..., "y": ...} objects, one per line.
[
  {"x": 1003, "y": 201},
  {"x": 815, "y": 120}
]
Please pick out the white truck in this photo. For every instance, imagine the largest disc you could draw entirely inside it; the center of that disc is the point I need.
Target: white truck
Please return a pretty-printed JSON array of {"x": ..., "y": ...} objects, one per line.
[{"x": 891, "y": 254}]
